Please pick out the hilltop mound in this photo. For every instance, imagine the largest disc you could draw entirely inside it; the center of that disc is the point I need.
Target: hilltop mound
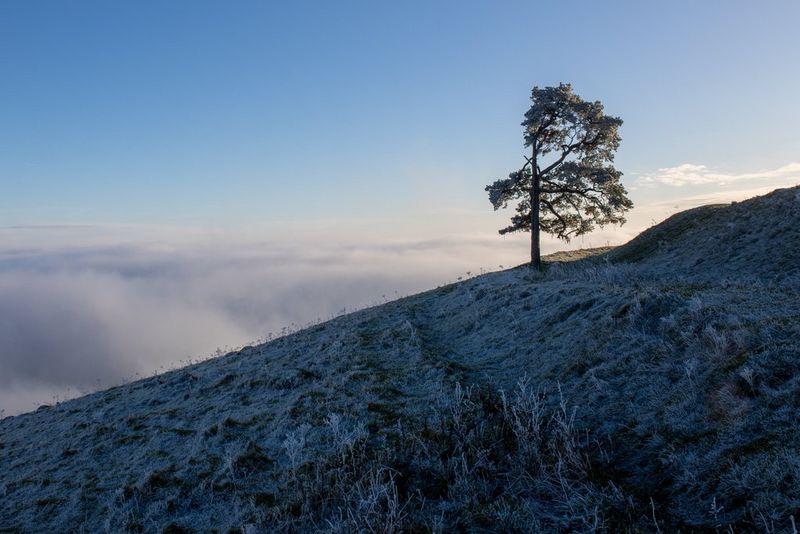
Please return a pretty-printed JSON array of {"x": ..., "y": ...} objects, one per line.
[
  {"x": 630, "y": 391},
  {"x": 756, "y": 238}
]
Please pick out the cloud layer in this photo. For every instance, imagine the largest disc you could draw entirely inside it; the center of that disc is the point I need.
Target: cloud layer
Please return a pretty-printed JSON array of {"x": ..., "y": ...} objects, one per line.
[
  {"x": 76, "y": 318},
  {"x": 691, "y": 174}
]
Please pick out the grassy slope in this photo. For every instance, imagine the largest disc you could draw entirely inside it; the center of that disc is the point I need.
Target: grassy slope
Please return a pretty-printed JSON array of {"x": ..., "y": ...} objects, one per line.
[
  {"x": 685, "y": 390},
  {"x": 758, "y": 238}
]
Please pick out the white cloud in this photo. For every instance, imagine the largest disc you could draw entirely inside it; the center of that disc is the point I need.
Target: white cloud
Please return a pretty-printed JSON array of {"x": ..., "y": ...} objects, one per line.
[
  {"x": 74, "y": 318},
  {"x": 691, "y": 174}
]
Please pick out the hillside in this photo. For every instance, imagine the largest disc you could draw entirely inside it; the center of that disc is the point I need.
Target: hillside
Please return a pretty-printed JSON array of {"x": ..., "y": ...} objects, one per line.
[
  {"x": 652, "y": 387},
  {"x": 758, "y": 238}
]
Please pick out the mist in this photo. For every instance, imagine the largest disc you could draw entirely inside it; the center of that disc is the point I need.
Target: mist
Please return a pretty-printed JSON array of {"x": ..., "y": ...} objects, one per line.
[
  {"x": 75, "y": 318},
  {"x": 85, "y": 307}
]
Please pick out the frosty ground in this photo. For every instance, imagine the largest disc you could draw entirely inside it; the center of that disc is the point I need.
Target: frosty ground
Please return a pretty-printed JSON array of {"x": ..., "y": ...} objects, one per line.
[{"x": 651, "y": 387}]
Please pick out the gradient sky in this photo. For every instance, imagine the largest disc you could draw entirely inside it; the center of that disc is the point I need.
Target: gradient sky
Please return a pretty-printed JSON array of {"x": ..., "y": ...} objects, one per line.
[
  {"x": 181, "y": 176},
  {"x": 241, "y": 112}
]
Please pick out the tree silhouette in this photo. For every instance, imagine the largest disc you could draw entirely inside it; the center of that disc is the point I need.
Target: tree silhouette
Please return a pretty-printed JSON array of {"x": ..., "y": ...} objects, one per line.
[{"x": 568, "y": 185}]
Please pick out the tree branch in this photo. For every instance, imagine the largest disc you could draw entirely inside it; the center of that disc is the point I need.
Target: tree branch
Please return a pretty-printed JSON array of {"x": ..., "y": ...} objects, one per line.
[
  {"x": 570, "y": 148},
  {"x": 564, "y": 190},
  {"x": 557, "y": 215}
]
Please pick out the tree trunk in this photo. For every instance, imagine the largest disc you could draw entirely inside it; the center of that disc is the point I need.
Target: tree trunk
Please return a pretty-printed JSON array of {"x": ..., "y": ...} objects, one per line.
[{"x": 536, "y": 258}]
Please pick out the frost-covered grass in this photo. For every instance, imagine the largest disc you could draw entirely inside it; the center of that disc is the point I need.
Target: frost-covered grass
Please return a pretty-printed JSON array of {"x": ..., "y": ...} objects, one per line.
[
  {"x": 759, "y": 238},
  {"x": 481, "y": 459},
  {"x": 598, "y": 396}
]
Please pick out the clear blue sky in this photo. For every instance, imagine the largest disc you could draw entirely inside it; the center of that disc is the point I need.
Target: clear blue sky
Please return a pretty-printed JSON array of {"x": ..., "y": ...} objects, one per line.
[{"x": 233, "y": 112}]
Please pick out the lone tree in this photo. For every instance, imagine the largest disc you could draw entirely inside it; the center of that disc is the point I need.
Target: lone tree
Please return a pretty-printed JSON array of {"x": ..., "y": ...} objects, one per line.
[{"x": 568, "y": 185}]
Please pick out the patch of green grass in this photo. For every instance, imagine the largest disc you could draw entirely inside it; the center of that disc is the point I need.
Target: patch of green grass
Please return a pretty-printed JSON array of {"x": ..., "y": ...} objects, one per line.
[
  {"x": 648, "y": 242},
  {"x": 563, "y": 256}
]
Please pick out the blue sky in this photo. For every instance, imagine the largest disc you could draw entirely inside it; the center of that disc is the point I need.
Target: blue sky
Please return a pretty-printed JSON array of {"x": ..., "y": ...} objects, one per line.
[{"x": 212, "y": 113}]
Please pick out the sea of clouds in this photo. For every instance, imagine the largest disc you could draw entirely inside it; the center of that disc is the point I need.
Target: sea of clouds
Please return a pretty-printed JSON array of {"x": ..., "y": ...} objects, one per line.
[
  {"x": 77, "y": 317},
  {"x": 88, "y": 307}
]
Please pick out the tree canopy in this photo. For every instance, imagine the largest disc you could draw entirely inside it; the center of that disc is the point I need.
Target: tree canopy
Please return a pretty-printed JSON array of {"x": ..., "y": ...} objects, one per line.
[{"x": 568, "y": 185}]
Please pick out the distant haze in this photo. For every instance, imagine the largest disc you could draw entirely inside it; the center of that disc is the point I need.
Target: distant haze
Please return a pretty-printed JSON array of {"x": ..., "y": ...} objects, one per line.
[
  {"x": 76, "y": 318},
  {"x": 86, "y": 307}
]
